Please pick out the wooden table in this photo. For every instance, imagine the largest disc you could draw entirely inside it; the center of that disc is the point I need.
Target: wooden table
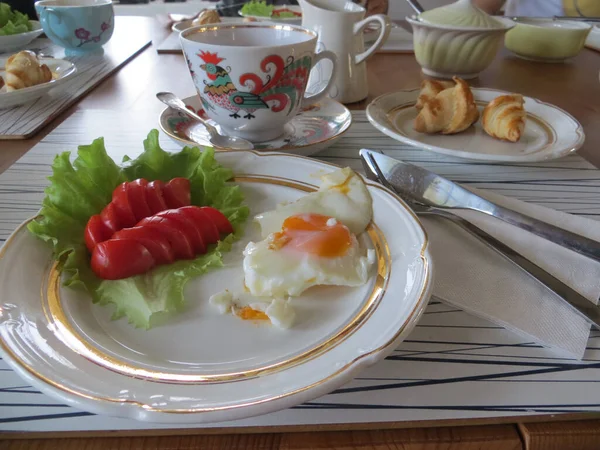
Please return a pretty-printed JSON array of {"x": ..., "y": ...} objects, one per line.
[{"x": 573, "y": 86}]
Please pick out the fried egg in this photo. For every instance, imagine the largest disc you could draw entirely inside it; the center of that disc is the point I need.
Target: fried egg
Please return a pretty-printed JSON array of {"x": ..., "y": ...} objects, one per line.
[
  {"x": 310, "y": 250},
  {"x": 342, "y": 195}
]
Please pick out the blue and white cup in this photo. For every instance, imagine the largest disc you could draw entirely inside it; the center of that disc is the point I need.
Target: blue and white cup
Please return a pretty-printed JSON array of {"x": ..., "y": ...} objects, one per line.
[{"x": 79, "y": 26}]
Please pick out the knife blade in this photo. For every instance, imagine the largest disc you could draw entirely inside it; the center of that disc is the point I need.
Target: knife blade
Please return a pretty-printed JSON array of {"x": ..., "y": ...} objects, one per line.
[{"x": 433, "y": 190}]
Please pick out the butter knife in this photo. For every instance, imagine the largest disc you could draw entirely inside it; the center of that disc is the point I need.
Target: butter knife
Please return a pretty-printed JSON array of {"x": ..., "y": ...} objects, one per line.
[
  {"x": 574, "y": 299},
  {"x": 433, "y": 190}
]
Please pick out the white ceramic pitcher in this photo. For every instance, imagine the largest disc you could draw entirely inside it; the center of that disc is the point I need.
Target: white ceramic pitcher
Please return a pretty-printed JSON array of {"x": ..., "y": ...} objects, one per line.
[{"x": 340, "y": 24}]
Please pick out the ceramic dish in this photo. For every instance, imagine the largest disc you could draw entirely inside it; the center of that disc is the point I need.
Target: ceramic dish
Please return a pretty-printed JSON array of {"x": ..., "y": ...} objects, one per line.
[
  {"x": 62, "y": 70},
  {"x": 550, "y": 132},
  {"x": 547, "y": 40},
  {"x": 312, "y": 130},
  {"x": 289, "y": 20},
  {"x": 15, "y": 42},
  {"x": 202, "y": 366},
  {"x": 445, "y": 51}
]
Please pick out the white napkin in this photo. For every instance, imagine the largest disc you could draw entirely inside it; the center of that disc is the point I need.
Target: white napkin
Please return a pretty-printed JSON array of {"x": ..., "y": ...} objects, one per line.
[{"x": 474, "y": 278}]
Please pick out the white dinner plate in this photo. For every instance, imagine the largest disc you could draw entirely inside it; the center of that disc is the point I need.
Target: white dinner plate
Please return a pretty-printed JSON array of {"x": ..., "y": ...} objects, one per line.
[
  {"x": 62, "y": 70},
  {"x": 201, "y": 366},
  {"x": 297, "y": 20},
  {"x": 550, "y": 132},
  {"x": 15, "y": 42},
  {"x": 188, "y": 23}
]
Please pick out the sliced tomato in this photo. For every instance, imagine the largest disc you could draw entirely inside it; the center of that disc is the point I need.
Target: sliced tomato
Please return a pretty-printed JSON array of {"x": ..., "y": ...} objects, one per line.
[
  {"x": 121, "y": 201},
  {"x": 187, "y": 226},
  {"x": 208, "y": 230},
  {"x": 95, "y": 232},
  {"x": 181, "y": 245},
  {"x": 177, "y": 193},
  {"x": 219, "y": 219},
  {"x": 154, "y": 196},
  {"x": 110, "y": 217},
  {"x": 136, "y": 191},
  {"x": 121, "y": 258},
  {"x": 156, "y": 242}
]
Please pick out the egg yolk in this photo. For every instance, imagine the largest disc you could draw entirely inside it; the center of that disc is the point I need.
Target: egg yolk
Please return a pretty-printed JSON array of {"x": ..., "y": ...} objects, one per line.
[
  {"x": 247, "y": 313},
  {"x": 310, "y": 233}
]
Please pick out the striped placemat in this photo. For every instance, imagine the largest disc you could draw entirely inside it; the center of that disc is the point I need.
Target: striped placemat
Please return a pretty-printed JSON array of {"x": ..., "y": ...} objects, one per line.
[
  {"x": 22, "y": 122},
  {"x": 453, "y": 365}
]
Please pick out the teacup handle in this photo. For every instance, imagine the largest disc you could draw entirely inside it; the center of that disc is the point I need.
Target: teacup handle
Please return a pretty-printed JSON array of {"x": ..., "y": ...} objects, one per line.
[
  {"x": 314, "y": 98},
  {"x": 384, "y": 32},
  {"x": 44, "y": 13}
]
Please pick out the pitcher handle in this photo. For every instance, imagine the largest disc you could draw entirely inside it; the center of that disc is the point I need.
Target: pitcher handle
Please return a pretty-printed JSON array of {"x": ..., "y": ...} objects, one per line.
[
  {"x": 384, "y": 32},
  {"x": 314, "y": 98}
]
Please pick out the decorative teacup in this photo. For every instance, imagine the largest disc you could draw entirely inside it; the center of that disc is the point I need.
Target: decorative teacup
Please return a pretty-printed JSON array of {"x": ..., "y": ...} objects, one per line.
[
  {"x": 251, "y": 78},
  {"x": 77, "y": 25}
]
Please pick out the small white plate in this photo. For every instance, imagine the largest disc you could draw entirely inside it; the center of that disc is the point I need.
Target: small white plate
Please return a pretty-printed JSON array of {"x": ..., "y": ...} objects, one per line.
[
  {"x": 289, "y": 20},
  {"x": 185, "y": 24},
  {"x": 16, "y": 42},
  {"x": 201, "y": 366},
  {"x": 62, "y": 70},
  {"x": 550, "y": 132},
  {"x": 312, "y": 130}
]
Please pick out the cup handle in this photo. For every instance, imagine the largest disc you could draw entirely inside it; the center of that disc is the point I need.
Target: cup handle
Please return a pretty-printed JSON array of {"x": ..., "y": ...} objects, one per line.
[
  {"x": 384, "y": 32},
  {"x": 314, "y": 98},
  {"x": 44, "y": 13}
]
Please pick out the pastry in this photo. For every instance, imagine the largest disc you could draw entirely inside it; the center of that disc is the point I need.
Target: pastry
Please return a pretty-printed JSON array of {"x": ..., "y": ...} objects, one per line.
[
  {"x": 24, "y": 70},
  {"x": 429, "y": 89},
  {"x": 207, "y": 16},
  {"x": 450, "y": 111},
  {"x": 504, "y": 117}
]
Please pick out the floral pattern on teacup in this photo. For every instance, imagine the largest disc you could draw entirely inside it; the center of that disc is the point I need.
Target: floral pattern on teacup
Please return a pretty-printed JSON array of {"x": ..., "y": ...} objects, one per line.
[
  {"x": 85, "y": 36},
  {"x": 281, "y": 86}
]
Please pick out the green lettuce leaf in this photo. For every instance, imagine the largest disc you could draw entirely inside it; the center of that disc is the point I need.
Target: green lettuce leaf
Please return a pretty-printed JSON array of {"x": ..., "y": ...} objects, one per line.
[
  {"x": 257, "y": 8},
  {"x": 82, "y": 188},
  {"x": 13, "y": 22}
]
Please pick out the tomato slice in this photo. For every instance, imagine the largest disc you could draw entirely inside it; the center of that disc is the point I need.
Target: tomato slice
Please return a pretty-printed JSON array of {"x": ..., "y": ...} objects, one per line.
[
  {"x": 124, "y": 211},
  {"x": 181, "y": 221},
  {"x": 95, "y": 232},
  {"x": 121, "y": 258},
  {"x": 181, "y": 245},
  {"x": 207, "y": 228},
  {"x": 219, "y": 219},
  {"x": 154, "y": 196},
  {"x": 177, "y": 193},
  {"x": 156, "y": 242},
  {"x": 110, "y": 217},
  {"x": 136, "y": 191}
]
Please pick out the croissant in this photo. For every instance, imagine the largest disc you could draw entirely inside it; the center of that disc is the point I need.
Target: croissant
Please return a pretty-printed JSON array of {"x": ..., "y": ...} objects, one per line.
[
  {"x": 207, "y": 16},
  {"x": 429, "y": 89},
  {"x": 504, "y": 117},
  {"x": 450, "y": 111},
  {"x": 24, "y": 70}
]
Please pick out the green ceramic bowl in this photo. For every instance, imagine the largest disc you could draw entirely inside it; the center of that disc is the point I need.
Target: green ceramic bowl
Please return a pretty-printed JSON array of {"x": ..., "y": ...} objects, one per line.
[{"x": 546, "y": 40}]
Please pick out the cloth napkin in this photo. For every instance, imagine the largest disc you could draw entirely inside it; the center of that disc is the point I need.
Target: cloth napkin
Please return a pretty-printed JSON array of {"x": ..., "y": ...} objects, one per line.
[{"x": 474, "y": 278}]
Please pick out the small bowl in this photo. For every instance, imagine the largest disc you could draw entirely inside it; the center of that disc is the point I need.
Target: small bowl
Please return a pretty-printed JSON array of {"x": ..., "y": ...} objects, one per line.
[
  {"x": 445, "y": 51},
  {"x": 289, "y": 20},
  {"x": 546, "y": 40},
  {"x": 19, "y": 41}
]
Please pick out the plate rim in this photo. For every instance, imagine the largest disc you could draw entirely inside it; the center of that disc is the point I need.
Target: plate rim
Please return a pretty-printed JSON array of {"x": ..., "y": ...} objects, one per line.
[
  {"x": 287, "y": 148},
  {"x": 140, "y": 411},
  {"x": 535, "y": 157},
  {"x": 43, "y": 87}
]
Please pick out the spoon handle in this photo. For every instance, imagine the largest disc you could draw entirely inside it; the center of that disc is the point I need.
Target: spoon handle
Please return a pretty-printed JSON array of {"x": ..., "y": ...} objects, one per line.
[{"x": 416, "y": 6}]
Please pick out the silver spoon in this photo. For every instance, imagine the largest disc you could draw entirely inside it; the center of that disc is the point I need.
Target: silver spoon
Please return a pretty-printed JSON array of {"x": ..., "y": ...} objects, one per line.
[
  {"x": 416, "y": 6},
  {"x": 230, "y": 142}
]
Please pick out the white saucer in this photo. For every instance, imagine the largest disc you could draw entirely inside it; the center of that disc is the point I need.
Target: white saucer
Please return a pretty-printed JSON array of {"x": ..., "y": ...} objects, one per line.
[
  {"x": 61, "y": 70},
  {"x": 201, "y": 366},
  {"x": 550, "y": 132},
  {"x": 312, "y": 130}
]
